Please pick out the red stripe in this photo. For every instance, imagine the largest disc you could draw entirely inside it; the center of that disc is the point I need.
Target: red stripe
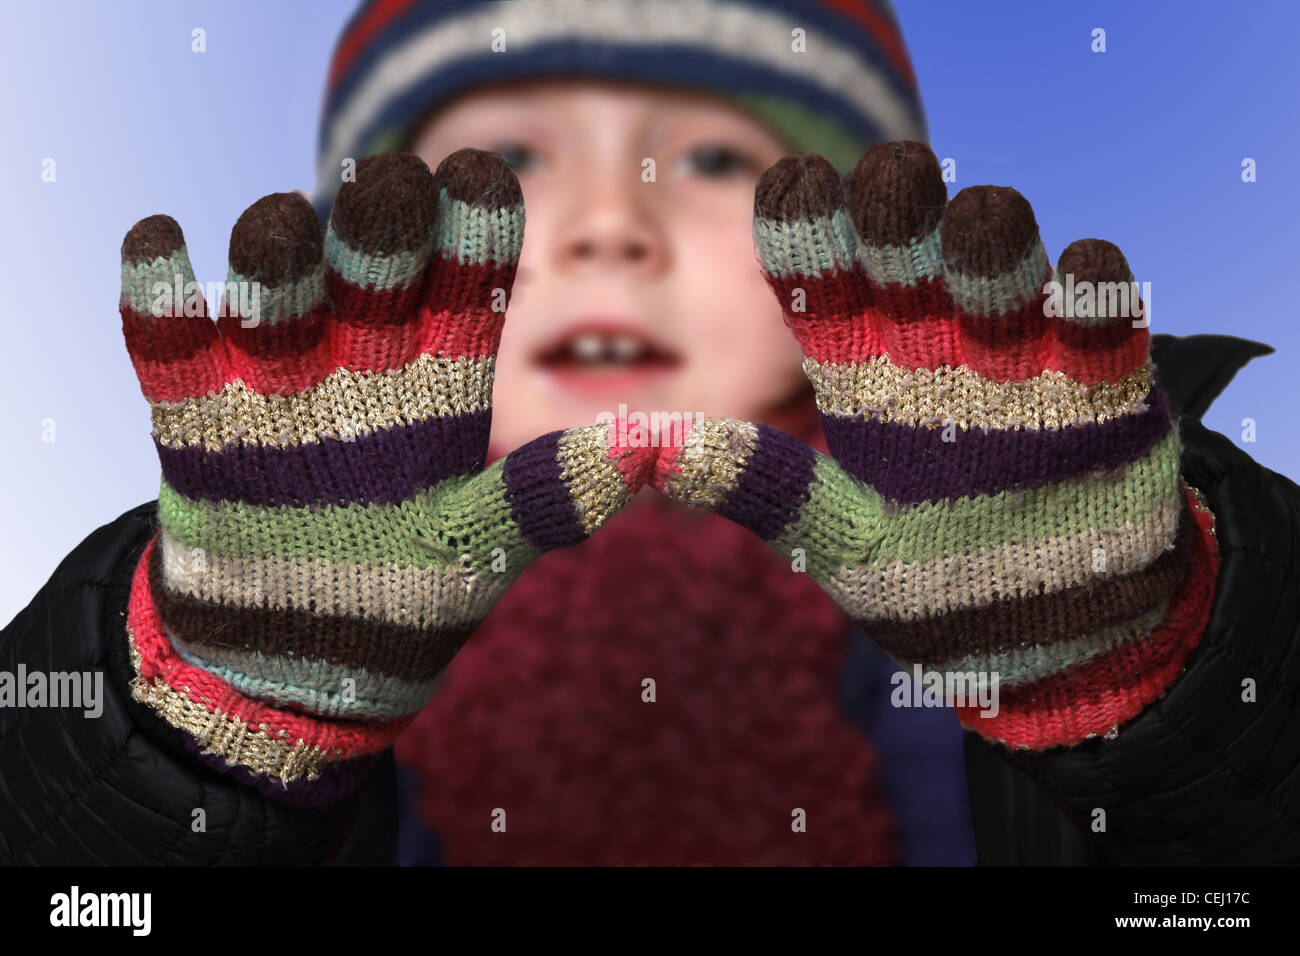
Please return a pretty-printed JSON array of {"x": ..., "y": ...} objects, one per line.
[
  {"x": 379, "y": 308},
  {"x": 174, "y": 358},
  {"x": 455, "y": 286},
  {"x": 381, "y": 13},
  {"x": 918, "y": 327},
  {"x": 283, "y": 358},
  {"x": 449, "y": 315},
  {"x": 881, "y": 30},
  {"x": 377, "y": 16},
  {"x": 181, "y": 379},
  {"x": 159, "y": 661},
  {"x": 1010, "y": 347},
  {"x": 827, "y": 297},
  {"x": 457, "y": 317},
  {"x": 914, "y": 326},
  {"x": 1095, "y": 355},
  {"x": 474, "y": 334},
  {"x": 272, "y": 342},
  {"x": 166, "y": 338},
  {"x": 833, "y": 324},
  {"x": 1066, "y": 708}
]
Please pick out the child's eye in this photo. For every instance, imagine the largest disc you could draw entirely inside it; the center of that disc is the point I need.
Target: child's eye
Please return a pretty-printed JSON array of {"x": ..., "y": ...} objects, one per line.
[
  {"x": 715, "y": 160},
  {"x": 519, "y": 156}
]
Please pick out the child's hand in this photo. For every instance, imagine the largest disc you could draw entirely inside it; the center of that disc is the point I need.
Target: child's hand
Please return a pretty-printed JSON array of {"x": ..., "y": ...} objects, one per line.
[
  {"x": 329, "y": 536},
  {"x": 1004, "y": 495}
]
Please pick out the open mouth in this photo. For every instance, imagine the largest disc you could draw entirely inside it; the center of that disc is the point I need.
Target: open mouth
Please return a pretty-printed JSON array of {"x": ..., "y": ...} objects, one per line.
[{"x": 606, "y": 348}]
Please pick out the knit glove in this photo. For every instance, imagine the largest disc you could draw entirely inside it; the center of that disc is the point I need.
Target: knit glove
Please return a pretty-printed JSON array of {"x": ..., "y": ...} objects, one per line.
[
  {"x": 328, "y": 535},
  {"x": 1003, "y": 497}
]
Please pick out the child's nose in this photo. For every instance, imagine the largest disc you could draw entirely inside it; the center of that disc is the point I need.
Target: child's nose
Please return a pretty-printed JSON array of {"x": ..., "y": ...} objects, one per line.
[{"x": 613, "y": 230}]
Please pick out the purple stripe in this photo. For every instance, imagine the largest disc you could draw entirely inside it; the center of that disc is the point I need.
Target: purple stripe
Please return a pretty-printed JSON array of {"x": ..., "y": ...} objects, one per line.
[
  {"x": 914, "y": 464},
  {"x": 774, "y": 485},
  {"x": 384, "y": 467},
  {"x": 539, "y": 498}
]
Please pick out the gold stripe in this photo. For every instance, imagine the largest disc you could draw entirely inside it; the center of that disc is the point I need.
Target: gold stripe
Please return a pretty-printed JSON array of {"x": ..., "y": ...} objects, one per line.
[
  {"x": 1202, "y": 506},
  {"x": 344, "y": 405},
  {"x": 885, "y": 392},
  {"x": 596, "y": 486},
  {"x": 710, "y": 463},
  {"x": 227, "y": 735}
]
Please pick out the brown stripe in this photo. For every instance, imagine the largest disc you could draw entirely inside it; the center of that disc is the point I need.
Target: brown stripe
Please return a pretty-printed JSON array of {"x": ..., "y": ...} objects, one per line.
[
  {"x": 988, "y": 231},
  {"x": 415, "y": 654},
  {"x": 1094, "y": 260},
  {"x": 1044, "y": 618},
  {"x": 151, "y": 238},
  {"x": 277, "y": 240},
  {"x": 389, "y": 208},
  {"x": 896, "y": 193},
  {"x": 480, "y": 178},
  {"x": 801, "y": 187}
]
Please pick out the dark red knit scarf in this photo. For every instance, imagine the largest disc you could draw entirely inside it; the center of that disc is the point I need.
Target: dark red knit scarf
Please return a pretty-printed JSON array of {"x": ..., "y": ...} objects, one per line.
[{"x": 542, "y": 714}]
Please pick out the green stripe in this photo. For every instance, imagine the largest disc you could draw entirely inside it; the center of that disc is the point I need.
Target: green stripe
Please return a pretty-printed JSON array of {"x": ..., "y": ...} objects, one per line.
[
  {"x": 314, "y": 685},
  {"x": 804, "y": 130},
  {"x": 848, "y": 520},
  {"x": 139, "y": 279},
  {"x": 474, "y": 235},
  {"x": 807, "y": 247},
  {"x": 472, "y": 511},
  {"x": 369, "y": 270}
]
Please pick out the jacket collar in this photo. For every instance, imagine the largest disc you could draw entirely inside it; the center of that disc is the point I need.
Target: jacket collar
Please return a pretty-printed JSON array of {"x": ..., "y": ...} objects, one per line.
[{"x": 1195, "y": 369}]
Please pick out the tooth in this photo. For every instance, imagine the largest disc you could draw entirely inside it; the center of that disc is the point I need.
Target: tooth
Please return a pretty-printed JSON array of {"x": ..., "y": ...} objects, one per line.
[
  {"x": 588, "y": 346},
  {"x": 626, "y": 347}
]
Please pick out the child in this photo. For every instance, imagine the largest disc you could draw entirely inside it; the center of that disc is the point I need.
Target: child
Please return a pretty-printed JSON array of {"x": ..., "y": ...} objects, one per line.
[
  {"x": 646, "y": 293},
  {"x": 667, "y": 690}
]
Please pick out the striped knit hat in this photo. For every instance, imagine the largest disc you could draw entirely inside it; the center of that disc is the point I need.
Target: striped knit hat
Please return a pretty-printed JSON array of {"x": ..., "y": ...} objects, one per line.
[{"x": 829, "y": 76}]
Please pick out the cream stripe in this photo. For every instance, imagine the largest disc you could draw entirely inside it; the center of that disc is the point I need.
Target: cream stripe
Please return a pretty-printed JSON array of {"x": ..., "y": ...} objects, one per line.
[
  {"x": 903, "y": 591},
  {"x": 734, "y": 29},
  {"x": 885, "y": 392},
  {"x": 345, "y": 404},
  {"x": 394, "y": 594}
]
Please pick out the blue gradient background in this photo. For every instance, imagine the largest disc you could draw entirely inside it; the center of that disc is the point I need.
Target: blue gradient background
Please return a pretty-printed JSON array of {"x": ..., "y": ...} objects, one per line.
[{"x": 1141, "y": 145}]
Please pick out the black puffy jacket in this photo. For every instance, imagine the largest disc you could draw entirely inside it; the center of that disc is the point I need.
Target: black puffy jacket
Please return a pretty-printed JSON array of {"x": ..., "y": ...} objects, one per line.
[{"x": 1200, "y": 777}]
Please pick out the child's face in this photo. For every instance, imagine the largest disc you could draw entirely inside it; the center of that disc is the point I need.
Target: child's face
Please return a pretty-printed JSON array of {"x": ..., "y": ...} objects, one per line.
[{"x": 628, "y": 291}]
